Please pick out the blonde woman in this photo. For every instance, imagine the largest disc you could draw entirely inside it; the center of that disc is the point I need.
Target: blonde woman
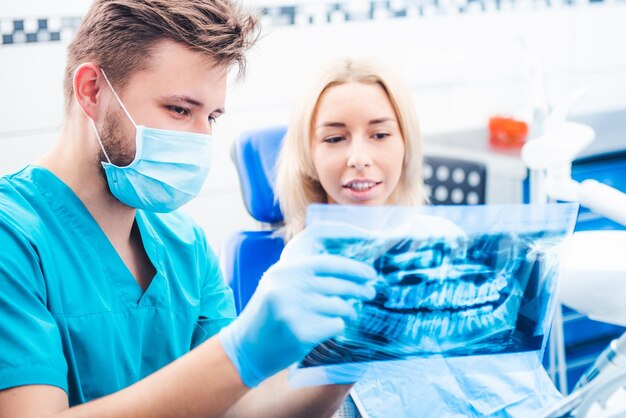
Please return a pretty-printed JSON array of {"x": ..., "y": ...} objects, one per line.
[{"x": 354, "y": 140}]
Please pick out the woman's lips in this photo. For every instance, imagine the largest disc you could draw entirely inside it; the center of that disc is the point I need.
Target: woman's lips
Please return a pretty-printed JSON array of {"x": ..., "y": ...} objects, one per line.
[{"x": 361, "y": 189}]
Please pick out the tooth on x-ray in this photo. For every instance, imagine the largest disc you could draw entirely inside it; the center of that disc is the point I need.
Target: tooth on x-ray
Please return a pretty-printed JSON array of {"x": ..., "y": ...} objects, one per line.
[{"x": 455, "y": 295}]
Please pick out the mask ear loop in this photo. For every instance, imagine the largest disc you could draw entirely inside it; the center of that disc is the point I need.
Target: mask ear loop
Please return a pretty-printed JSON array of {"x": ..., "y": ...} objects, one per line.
[
  {"x": 93, "y": 124},
  {"x": 118, "y": 98}
]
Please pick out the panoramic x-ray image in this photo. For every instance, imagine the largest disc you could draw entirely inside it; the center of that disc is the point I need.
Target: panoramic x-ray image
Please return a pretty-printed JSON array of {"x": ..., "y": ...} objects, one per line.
[{"x": 471, "y": 281}]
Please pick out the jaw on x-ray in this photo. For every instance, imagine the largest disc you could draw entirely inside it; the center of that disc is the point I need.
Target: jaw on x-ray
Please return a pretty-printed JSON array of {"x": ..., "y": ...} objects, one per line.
[{"x": 452, "y": 281}]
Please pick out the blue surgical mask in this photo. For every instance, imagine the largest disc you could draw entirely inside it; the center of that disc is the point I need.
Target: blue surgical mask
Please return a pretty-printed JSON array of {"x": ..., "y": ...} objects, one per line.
[{"x": 168, "y": 170}]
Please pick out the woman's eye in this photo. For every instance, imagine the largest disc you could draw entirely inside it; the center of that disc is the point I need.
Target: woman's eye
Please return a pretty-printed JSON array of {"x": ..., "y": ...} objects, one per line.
[
  {"x": 179, "y": 110},
  {"x": 333, "y": 139},
  {"x": 212, "y": 120},
  {"x": 380, "y": 135}
]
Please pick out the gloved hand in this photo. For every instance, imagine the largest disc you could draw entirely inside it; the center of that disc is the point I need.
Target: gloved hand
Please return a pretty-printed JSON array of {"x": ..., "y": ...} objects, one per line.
[{"x": 298, "y": 305}]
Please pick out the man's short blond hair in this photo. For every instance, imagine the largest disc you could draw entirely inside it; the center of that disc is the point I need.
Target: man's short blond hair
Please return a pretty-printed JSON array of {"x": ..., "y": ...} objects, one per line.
[{"x": 119, "y": 35}]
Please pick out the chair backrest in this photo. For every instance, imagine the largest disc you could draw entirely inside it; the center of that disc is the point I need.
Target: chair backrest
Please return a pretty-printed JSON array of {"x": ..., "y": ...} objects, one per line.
[
  {"x": 254, "y": 154},
  {"x": 246, "y": 255}
]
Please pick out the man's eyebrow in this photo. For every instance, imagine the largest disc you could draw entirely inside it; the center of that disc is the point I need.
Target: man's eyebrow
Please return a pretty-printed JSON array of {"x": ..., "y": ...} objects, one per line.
[{"x": 181, "y": 99}]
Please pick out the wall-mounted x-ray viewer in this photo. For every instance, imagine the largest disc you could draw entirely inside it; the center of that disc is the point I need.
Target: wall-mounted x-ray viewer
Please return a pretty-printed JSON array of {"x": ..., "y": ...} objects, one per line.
[{"x": 452, "y": 281}]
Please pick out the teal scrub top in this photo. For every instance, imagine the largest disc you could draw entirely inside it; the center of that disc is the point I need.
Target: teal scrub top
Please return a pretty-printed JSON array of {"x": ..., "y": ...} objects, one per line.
[{"x": 71, "y": 313}]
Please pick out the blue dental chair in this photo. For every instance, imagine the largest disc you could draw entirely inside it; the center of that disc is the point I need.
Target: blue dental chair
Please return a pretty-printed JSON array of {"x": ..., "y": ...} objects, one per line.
[{"x": 246, "y": 255}]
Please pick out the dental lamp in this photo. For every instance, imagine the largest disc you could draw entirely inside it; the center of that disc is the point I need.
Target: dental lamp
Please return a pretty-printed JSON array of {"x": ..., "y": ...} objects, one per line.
[{"x": 593, "y": 275}]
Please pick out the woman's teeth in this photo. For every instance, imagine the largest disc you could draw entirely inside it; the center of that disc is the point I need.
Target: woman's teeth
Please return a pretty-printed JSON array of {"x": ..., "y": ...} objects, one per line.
[{"x": 360, "y": 185}]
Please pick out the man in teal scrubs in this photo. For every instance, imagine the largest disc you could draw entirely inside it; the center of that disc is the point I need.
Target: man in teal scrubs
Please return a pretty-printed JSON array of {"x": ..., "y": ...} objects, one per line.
[{"x": 111, "y": 301}]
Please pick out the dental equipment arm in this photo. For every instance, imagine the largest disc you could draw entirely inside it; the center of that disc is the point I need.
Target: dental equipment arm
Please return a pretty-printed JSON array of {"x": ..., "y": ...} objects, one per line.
[
  {"x": 604, "y": 200},
  {"x": 585, "y": 396},
  {"x": 550, "y": 156},
  {"x": 614, "y": 356}
]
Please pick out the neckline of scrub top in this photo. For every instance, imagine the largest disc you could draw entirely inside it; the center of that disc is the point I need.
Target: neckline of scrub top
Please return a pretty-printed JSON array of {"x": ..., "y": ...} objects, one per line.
[{"x": 124, "y": 283}]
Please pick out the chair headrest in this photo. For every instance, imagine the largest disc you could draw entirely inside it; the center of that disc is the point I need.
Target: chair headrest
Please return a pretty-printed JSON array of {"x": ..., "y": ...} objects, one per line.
[{"x": 254, "y": 154}]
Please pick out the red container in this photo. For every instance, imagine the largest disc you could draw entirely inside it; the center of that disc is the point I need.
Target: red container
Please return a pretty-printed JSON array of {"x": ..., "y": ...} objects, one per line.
[{"x": 507, "y": 132}]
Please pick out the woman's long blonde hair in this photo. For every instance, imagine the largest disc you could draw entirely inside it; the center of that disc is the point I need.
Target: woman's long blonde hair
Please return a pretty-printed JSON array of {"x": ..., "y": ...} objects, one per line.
[{"x": 297, "y": 184}]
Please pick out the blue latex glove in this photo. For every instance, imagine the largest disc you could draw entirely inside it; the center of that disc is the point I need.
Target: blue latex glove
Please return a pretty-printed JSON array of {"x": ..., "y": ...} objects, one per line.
[{"x": 298, "y": 305}]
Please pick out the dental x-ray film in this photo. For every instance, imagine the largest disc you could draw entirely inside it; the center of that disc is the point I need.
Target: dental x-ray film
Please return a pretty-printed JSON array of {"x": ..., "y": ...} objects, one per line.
[{"x": 452, "y": 280}]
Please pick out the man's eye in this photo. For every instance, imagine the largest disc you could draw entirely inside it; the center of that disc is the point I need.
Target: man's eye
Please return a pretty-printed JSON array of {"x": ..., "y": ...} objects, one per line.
[
  {"x": 333, "y": 139},
  {"x": 179, "y": 110},
  {"x": 212, "y": 120}
]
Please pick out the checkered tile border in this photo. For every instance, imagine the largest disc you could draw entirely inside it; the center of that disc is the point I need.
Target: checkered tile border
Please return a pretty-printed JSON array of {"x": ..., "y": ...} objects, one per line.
[
  {"x": 19, "y": 31},
  {"x": 320, "y": 12}
]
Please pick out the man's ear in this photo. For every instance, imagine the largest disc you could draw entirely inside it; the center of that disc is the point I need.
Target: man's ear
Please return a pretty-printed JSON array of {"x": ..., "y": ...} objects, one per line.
[{"x": 86, "y": 83}]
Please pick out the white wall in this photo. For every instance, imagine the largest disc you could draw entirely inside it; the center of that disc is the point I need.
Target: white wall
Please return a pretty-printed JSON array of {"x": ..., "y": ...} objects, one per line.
[{"x": 461, "y": 69}]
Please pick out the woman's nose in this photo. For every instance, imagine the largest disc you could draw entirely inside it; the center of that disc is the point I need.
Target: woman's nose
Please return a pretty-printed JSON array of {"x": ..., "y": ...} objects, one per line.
[{"x": 359, "y": 154}]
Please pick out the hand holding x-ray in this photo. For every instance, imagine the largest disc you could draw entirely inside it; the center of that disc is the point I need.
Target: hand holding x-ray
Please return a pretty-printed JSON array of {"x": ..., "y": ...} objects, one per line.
[{"x": 298, "y": 304}]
